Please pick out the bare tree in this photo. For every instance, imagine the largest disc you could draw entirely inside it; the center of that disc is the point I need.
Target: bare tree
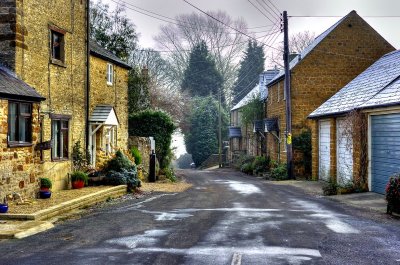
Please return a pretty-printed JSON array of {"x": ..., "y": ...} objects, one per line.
[
  {"x": 297, "y": 43},
  {"x": 225, "y": 44}
]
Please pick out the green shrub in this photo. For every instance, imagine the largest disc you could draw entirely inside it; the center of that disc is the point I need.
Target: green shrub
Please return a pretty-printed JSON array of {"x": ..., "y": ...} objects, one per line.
[
  {"x": 123, "y": 177},
  {"x": 45, "y": 183},
  {"x": 261, "y": 164},
  {"x": 170, "y": 174},
  {"x": 393, "y": 194},
  {"x": 247, "y": 168},
  {"x": 242, "y": 159},
  {"x": 119, "y": 162},
  {"x": 330, "y": 188},
  {"x": 136, "y": 154},
  {"x": 302, "y": 143},
  {"x": 157, "y": 124},
  {"x": 279, "y": 172},
  {"x": 79, "y": 176}
]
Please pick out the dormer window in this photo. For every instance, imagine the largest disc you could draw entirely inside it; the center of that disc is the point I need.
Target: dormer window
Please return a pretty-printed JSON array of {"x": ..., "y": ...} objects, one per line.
[{"x": 110, "y": 74}]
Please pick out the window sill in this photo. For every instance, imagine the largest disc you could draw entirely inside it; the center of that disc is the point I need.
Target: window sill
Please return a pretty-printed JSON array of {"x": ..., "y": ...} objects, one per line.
[
  {"x": 58, "y": 62},
  {"x": 109, "y": 84},
  {"x": 18, "y": 144},
  {"x": 60, "y": 159}
]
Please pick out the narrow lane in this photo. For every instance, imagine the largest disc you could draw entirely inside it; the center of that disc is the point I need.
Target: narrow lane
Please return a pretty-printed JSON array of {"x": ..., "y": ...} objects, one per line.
[{"x": 226, "y": 218}]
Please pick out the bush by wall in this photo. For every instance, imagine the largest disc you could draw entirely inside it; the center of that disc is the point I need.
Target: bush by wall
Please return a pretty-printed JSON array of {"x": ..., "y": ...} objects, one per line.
[
  {"x": 393, "y": 194},
  {"x": 157, "y": 124}
]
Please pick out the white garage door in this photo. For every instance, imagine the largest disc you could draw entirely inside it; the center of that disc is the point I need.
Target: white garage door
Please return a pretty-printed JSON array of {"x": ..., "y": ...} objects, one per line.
[
  {"x": 344, "y": 144},
  {"x": 324, "y": 150}
]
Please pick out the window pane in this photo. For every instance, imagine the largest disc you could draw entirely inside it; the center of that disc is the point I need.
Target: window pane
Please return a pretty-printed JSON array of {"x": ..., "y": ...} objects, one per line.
[
  {"x": 12, "y": 125},
  {"x": 25, "y": 108},
  {"x": 56, "y": 137},
  {"x": 56, "y": 45},
  {"x": 65, "y": 143},
  {"x": 24, "y": 129},
  {"x": 64, "y": 124}
]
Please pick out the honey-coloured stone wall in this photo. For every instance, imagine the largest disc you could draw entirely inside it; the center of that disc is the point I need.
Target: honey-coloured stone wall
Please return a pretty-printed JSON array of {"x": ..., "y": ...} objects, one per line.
[{"x": 25, "y": 48}]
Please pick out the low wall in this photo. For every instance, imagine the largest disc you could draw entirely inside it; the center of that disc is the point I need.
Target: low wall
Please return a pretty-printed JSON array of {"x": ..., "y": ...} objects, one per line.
[{"x": 143, "y": 145}]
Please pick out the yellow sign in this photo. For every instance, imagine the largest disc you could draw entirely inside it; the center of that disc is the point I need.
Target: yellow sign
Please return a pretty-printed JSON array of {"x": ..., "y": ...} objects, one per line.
[{"x": 289, "y": 138}]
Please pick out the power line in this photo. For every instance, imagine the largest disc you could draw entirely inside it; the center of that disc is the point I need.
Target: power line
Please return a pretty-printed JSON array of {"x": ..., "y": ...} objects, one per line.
[
  {"x": 301, "y": 16},
  {"x": 216, "y": 19},
  {"x": 277, "y": 9},
  {"x": 173, "y": 20},
  {"x": 222, "y": 46},
  {"x": 268, "y": 9},
  {"x": 260, "y": 10}
]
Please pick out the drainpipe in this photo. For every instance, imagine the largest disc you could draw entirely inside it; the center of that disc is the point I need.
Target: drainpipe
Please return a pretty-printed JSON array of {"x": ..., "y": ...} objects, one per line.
[{"x": 87, "y": 135}]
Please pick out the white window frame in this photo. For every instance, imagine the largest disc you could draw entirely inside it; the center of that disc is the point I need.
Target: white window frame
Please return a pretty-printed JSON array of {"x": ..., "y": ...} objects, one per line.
[{"x": 110, "y": 74}]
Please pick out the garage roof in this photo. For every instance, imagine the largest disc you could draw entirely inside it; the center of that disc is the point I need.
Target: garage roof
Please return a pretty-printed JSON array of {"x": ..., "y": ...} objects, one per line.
[{"x": 377, "y": 86}]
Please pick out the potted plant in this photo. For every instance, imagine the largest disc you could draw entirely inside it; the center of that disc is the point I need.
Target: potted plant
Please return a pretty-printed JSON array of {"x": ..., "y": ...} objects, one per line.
[
  {"x": 45, "y": 186},
  {"x": 393, "y": 194},
  {"x": 79, "y": 179},
  {"x": 4, "y": 206}
]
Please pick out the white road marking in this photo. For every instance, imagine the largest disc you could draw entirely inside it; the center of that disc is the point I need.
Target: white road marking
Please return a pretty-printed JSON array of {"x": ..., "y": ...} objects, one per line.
[
  {"x": 241, "y": 187},
  {"x": 236, "y": 259},
  {"x": 214, "y": 251},
  {"x": 140, "y": 204}
]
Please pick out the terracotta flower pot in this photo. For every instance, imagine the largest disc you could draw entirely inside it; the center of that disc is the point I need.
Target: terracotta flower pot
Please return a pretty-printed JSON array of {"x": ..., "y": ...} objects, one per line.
[{"x": 78, "y": 184}]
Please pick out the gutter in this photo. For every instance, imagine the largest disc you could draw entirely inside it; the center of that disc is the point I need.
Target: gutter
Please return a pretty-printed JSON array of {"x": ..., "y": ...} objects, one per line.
[{"x": 87, "y": 74}]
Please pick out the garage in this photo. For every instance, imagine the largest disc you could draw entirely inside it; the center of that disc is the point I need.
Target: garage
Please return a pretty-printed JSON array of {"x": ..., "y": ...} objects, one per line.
[
  {"x": 385, "y": 149},
  {"x": 324, "y": 150},
  {"x": 344, "y": 149}
]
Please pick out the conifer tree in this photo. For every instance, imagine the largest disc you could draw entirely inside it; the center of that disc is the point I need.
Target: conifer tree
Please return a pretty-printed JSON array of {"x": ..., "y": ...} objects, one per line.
[
  {"x": 201, "y": 77},
  {"x": 251, "y": 66}
]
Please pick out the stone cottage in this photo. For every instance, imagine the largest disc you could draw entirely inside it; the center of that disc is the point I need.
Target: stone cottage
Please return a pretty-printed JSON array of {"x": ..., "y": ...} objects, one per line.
[
  {"x": 108, "y": 122},
  {"x": 359, "y": 128},
  {"x": 243, "y": 138},
  {"x": 47, "y": 104},
  {"x": 44, "y": 44},
  {"x": 332, "y": 60}
]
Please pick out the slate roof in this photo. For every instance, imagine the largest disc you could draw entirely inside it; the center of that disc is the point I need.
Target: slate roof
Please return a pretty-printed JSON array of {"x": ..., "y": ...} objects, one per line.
[
  {"x": 251, "y": 95},
  {"x": 101, "y": 113},
  {"x": 12, "y": 87},
  {"x": 308, "y": 49},
  {"x": 267, "y": 76},
  {"x": 378, "y": 85},
  {"x": 98, "y": 51}
]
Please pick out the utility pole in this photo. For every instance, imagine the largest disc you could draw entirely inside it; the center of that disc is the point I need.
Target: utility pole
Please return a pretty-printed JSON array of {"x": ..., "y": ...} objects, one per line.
[
  {"x": 219, "y": 129},
  {"x": 289, "y": 153}
]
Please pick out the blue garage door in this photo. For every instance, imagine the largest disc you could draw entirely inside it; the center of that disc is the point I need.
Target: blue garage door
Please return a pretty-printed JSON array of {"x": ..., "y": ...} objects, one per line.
[{"x": 385, "y": 149}]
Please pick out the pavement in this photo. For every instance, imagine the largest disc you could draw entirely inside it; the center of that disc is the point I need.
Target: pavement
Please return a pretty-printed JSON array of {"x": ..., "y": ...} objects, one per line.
[
  {"x": 364, "y": 200},
  {"x": 17, "y": 226}
]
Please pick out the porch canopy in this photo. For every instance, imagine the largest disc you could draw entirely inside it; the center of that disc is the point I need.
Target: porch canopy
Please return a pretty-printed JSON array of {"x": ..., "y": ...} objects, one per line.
[{"x": 104, "y": 115}]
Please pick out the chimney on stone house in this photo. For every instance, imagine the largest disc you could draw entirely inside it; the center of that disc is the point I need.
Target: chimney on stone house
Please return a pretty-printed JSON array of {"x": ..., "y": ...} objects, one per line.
[{"x": 145, "y": 71}]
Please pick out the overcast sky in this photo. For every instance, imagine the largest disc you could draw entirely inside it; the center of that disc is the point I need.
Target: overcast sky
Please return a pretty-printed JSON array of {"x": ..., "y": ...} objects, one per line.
[{"x": 387, "y": 26}]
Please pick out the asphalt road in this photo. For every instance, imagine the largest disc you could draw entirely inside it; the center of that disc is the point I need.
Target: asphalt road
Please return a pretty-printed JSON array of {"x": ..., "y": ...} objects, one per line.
[{"x": 226, "y": 218}]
